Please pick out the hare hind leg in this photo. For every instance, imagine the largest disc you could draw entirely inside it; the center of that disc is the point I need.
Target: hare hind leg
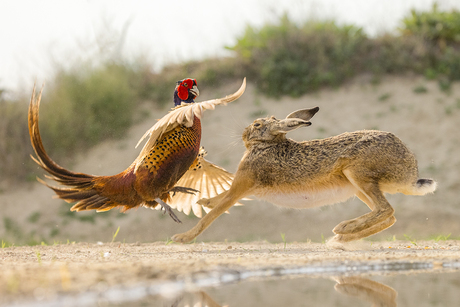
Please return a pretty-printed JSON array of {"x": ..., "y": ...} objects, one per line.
[
  {"x": 372, "y": 196},
  {"x": 366, "y": 232}
]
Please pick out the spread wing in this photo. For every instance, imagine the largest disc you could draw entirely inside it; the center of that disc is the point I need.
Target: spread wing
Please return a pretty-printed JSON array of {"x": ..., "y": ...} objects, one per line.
[
  {"x": 209, "y": 179},
  {"x": 182, "y": 115}
]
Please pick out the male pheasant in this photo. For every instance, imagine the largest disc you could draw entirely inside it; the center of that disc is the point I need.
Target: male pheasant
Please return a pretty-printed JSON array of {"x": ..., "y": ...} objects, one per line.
[{"x": 172, "y": 152}]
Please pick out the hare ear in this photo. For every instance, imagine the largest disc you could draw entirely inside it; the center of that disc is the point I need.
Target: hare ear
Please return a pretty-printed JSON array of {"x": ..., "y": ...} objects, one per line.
[
  {"x": 289, "y": 124},
  {"x": 304, "y": 114}
]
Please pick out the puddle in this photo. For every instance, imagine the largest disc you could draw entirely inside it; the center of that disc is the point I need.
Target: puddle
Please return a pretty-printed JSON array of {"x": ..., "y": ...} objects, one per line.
[
  {"x": 423, "y": 289},
  {"x": 336, "y": 284}
]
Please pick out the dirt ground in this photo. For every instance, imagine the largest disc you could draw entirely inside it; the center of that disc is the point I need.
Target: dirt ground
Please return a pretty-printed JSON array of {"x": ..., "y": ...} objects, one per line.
[{"x": 37, "y": 273}]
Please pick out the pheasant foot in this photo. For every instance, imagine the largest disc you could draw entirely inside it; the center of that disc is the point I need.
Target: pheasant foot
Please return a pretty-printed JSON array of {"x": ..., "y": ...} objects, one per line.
[
  {"x": 183, "y": 190},
  {"x": 168, "y": 209}
]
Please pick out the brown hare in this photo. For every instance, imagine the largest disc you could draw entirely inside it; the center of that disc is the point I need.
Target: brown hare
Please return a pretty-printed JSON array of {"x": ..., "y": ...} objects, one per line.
[{"x": 314, "y": 173}]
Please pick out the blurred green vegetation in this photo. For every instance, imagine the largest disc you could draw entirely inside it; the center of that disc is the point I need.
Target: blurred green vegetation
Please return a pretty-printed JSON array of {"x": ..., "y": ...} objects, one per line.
[
  {"x": 440, "y": 34},
  {"x": 86, "y": 106},
  {"x": 287, "y": 59},
  {"x": 436, "y": 26},
  {"x": 290, "y": 59},
  {"x": 88, "y": 102}
]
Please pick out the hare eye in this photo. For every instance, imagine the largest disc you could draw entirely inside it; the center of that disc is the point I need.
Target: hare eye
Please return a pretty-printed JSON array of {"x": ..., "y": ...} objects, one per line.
[{"x": 257, "y": 125}]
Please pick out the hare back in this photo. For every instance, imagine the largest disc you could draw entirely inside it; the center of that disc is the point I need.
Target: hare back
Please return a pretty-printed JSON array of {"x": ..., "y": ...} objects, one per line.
[
  {"x": 305, "y": 197},
  {"x": 372, "y": 153}
]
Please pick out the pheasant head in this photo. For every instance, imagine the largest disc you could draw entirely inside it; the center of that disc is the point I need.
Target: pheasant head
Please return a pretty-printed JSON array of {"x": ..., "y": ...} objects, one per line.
[{"x": 186, "y": 91}]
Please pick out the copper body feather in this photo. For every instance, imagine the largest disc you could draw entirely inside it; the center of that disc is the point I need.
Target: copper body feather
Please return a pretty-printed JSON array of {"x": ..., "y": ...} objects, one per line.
[{"x": 168, "y": 161}]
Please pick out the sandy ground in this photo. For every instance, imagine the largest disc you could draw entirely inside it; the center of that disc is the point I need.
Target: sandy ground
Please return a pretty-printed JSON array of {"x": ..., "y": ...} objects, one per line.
[{"x": 43, "y": 272}]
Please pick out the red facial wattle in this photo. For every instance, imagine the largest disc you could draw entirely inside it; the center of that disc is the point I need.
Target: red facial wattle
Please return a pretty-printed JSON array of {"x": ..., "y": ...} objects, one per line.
[
  {"x": 182, "y": 92},
  {"x": 186, "y": 91}
]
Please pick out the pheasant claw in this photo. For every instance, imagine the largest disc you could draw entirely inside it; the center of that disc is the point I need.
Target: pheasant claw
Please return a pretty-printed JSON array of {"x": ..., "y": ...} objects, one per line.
[
  {"x": 168, "y": 209},
  {"x": 183, "y": 190}
]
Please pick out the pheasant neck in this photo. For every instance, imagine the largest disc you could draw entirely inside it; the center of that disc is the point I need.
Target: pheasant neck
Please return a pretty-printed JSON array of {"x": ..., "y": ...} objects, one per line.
[{"x": 178, "y": 101}]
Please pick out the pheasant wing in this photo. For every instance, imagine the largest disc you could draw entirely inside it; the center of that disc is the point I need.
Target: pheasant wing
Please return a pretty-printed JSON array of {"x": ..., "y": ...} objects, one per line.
[
  {"x": 181, "y": 115},
  {"x": 204, "y": 176}
]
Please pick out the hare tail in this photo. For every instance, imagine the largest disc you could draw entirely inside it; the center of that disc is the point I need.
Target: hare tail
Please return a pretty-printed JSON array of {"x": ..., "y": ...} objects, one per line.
[{"x": 425, "y": 186}]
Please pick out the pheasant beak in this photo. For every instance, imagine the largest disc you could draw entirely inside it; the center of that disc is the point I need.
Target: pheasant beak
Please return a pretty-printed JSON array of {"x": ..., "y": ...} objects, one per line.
[{"x": 194, "y": 90}]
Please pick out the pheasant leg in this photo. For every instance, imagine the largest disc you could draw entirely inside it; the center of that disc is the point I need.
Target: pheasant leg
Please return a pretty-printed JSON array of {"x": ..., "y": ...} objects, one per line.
[{"x": 168, "y": 209}]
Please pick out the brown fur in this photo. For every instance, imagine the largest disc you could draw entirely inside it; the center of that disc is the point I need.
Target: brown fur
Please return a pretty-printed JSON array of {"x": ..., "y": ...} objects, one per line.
[{"x": 365, "y": 164}]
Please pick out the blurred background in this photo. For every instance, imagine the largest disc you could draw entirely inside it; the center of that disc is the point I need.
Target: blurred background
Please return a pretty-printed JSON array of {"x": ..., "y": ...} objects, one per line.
[{"x": 110, "y": 68}]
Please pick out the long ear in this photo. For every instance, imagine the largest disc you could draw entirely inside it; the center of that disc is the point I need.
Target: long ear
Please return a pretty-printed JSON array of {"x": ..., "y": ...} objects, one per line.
[
  {"x": 289, "y": 124},
  {"x": 304, "y": 114}
]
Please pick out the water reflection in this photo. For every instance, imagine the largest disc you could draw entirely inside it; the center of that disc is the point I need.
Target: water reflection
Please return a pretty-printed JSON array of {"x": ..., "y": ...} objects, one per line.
[
  {"x": 198, "y": 299},
  {"x": 421, "y": 289},
  {"x": 367, "y": 290},
  {"x": 362, "y": 288}
]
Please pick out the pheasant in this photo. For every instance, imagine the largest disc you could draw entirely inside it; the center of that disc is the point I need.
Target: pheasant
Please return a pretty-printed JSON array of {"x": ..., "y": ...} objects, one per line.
[{"x": 170, "y": 162}]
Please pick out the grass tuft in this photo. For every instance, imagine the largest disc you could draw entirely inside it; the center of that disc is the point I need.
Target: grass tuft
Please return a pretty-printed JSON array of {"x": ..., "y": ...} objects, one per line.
[
  {"x": 39, "y": 257},
  {"x": 115, "y": 234},
  {"x": 410, "y": 239},
  {"x": 283, "y": 237},
  {"x": 442, "y": 237}
]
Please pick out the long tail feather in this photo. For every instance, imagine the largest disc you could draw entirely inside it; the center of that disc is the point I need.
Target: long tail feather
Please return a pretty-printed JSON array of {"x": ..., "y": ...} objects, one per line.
[
  {"x": 80, "y": 187},
  {"x": 60, "y": 174}
]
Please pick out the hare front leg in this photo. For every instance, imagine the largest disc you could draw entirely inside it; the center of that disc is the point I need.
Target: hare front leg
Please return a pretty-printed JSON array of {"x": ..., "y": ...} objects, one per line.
[
  {"x": 238, "y": 190},
  {"x": 370, "y": 194},
  {"x": 211, "y": 203},
  {"x": 205, "y": 221}
]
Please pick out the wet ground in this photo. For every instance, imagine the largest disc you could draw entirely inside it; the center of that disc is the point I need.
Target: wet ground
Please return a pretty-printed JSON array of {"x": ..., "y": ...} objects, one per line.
[
  {"x": 234, "y": 274},
  {"x": 383, "y": 289}
]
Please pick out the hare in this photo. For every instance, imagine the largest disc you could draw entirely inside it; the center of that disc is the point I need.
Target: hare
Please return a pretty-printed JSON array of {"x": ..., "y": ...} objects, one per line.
[{"x": 307, "y": 174}]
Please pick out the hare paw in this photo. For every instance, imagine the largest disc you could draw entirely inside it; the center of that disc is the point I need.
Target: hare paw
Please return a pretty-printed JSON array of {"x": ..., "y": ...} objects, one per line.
[
  {"x": 182, "y": 238},
  {"x": 206, "y": 202},
  {"x": 335, "y": 242},
  {"x": 347, "y": 227}
]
